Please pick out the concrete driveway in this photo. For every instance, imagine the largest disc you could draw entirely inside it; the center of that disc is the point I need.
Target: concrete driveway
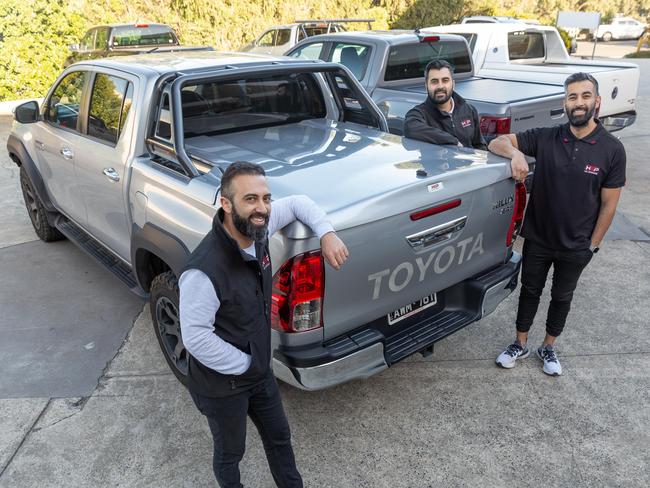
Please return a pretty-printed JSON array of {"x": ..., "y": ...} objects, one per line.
[{"x": 453, "y": 419}]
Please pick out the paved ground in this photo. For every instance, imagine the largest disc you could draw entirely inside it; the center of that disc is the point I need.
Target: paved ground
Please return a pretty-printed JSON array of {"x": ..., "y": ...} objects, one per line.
[
  {"x": 453, "y": 419},
  {"x": 613, "y": 49}
]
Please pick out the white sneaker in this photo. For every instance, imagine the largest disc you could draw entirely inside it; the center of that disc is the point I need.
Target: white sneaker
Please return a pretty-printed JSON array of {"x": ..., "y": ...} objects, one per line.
[
  {"x": 552, "y": 364},
  {"x": 508, "y": 358}
]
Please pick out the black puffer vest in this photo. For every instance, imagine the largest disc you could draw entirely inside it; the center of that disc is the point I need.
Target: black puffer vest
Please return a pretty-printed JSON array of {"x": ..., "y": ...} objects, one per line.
[{"x": 243, "y": 285}]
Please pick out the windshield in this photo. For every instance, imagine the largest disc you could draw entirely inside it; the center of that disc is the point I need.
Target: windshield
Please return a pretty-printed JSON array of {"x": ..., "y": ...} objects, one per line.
[
  {"x": 152, "y": 35},
  {"x": 233, "y": 105},
  {"x": 407, "y": 61}
]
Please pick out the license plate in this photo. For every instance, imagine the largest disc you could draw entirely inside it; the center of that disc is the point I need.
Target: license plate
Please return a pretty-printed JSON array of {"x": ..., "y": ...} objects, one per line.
[{"x": 411, "y": 309}]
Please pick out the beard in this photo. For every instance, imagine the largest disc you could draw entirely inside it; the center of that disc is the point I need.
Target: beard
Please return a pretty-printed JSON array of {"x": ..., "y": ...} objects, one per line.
[
  {"x": 580, "y": 120},
  {"x": 440, "y": 101},
  {"x": 247, "y": 227}
]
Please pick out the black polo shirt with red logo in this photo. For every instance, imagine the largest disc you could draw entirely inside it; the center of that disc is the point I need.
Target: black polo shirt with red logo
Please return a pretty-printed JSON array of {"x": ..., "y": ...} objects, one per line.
[{"x": 569, "y": 175}]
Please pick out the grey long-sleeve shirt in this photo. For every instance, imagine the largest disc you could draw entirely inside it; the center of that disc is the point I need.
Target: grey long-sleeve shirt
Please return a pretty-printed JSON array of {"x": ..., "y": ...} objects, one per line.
[{"x": 199, "y": 302}]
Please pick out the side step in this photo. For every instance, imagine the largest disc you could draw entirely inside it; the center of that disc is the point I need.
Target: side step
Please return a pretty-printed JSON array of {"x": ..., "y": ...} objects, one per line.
[
  {"x": 420, "y": 336},
  {"x": 95, "y": 249}
]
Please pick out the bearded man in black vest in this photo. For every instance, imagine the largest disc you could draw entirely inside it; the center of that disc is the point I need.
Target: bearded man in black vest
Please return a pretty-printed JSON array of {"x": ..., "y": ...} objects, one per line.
[{"x": 225, "y": 312}]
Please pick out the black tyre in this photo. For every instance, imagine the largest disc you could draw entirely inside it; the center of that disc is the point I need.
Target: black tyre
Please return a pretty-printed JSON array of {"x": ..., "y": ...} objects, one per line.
[
  {"x": 607, "y": 36},
  {"x": 37, "y": 212},
  {"x": 163, "y": 301}
]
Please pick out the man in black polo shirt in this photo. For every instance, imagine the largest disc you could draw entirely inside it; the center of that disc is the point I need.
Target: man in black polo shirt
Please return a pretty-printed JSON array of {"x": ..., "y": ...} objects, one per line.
[
  {"x": 445, "y": 117},
  {"x": 579, "y": 173}
]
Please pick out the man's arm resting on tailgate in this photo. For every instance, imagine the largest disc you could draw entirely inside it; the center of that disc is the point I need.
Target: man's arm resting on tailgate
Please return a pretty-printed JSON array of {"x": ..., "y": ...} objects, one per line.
[
  {"x": 507, "y": 146},
  {"x": 300, "y": 207}
]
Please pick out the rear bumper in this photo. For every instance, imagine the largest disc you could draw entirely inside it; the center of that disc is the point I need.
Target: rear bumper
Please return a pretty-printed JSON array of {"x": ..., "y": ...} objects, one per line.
[{"x": 367, "y": 351}]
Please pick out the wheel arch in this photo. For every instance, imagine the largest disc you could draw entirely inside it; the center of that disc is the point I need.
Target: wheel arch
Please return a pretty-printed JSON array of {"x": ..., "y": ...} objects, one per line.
[
  {"x": 154, "y": 251},
  {"x": 19, "y": 155}
]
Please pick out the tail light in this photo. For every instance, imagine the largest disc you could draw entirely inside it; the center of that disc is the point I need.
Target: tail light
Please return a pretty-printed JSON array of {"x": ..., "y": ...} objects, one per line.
[
  {"x": 517, "y": 214},
  {"x": 430, "y": 39},
  {"x": 297, "y": 300},
  {"x": 141, "y": 26},
  {"x": 494, "y": 126}
]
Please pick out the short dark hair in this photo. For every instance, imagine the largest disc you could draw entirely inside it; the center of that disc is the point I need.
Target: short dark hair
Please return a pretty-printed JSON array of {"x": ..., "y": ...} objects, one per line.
[
  {"x": 235, "y": 169},
  {"x": 438, "y": 64},
  {"x": 576, "y": 77}
]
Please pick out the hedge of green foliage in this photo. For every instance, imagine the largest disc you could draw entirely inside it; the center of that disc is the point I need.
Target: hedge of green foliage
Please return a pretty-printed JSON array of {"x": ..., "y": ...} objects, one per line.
[{"x": 35, "y": 34}]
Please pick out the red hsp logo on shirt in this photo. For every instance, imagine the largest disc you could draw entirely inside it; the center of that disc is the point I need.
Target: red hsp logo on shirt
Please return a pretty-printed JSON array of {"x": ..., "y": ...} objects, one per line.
[
  {"x": 592, "y": 169},
  {"x": 466, "y": 122},
  {"x": 266, "y": 262}
]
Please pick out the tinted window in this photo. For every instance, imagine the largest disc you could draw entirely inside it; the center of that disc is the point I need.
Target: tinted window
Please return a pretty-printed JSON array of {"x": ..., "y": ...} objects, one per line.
[
  {"x": 126, "y": 106},
  {"x": 87, "y": 43},
  {"x": 408, "y": 61},
  {"x": 352, "y": 56},
  {"x": 108, "y": 109},
  {"x": 283, "y": 37},
  {"x": 267, "y": 39},
  {"x": 310, "y": 51},
  {"x": 101, "y": 41},
  {"x": 525, "y": 45},
  {"x": 353, "y": 109},
  {"x": 228, "y": 106},
  {"x": 350, "y": 101},
  {"x": 63, "y": 106},
  {"x": 152, "y": 35},
  {"x": 316, "y": 31},
  {"x": 163, "y": 126},
  {"x": 470, "y": 38}
]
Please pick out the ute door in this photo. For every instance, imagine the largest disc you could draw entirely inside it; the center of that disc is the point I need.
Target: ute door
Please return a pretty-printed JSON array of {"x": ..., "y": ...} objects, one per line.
[
  {"x": 56, "y": 139},
  {"x": 102, "y": 157}
]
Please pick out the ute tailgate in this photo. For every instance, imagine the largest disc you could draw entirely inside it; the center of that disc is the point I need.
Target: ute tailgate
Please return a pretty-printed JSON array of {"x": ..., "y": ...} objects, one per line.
[{"x": 387, "y": 271}]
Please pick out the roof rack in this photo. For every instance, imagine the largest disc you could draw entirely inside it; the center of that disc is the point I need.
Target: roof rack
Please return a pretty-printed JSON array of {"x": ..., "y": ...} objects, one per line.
[{"x": 336, "y": 21}]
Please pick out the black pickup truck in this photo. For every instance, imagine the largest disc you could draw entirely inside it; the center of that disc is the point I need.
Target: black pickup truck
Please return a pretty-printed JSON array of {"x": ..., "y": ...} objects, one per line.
[{"x": 126, "y": 39}]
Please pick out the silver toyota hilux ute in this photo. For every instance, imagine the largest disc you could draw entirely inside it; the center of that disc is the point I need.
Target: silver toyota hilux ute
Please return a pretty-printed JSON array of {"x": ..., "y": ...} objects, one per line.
[{"x": 124, "y": 158}]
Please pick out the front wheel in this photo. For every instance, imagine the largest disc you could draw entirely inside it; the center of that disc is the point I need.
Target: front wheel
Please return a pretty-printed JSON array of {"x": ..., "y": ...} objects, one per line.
[
  {"x": 163, "y": 302},
  {"x": 36, "y": 211},
  {"x": 607, "y": 36}
]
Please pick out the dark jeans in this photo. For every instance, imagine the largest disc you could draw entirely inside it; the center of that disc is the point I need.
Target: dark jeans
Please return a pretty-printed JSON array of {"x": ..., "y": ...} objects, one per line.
[
  {"x": 567, "y": 267},
  {"x": 227, "y": 421}
]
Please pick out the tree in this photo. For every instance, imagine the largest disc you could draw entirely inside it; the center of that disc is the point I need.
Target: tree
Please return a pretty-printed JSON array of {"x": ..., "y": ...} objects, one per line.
[{"x": 35, "y": 39}]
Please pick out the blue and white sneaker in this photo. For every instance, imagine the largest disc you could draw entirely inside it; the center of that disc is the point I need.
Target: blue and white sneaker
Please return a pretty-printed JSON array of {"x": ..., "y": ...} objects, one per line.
[
  {"x": 552, "y": 364},
  {"x": 514, "y": 351}
]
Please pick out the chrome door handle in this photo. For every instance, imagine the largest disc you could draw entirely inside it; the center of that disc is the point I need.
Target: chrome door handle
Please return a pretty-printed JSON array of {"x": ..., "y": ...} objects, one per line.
[
  {"x": 66, "y": 153},
  {"x": 436, "y": 234},
  {"x": 39, "y": 145},
  {"x": 111, "y": 174}
]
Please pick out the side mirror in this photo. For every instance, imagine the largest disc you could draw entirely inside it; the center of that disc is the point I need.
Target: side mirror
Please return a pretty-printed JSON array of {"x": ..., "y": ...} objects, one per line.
[
  {"x": 74, "y": 48},
  {"x": 27, "y": 113}
]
